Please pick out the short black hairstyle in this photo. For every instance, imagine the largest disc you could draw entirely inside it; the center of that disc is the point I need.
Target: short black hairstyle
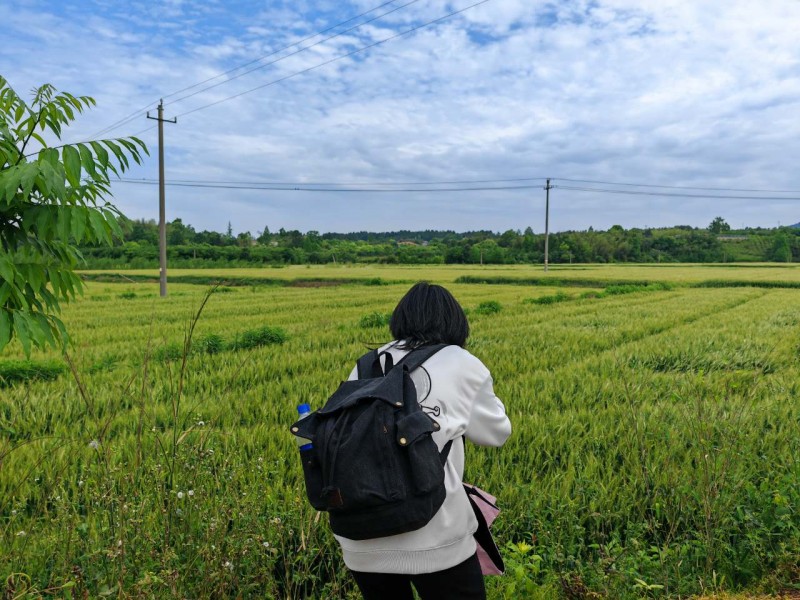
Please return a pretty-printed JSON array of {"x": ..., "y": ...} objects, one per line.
[{"x": 429, "y": 314}]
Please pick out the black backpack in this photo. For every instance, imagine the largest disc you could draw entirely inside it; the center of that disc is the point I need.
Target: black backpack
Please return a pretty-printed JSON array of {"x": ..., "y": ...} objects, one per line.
[{"x": 374, "y": 466}]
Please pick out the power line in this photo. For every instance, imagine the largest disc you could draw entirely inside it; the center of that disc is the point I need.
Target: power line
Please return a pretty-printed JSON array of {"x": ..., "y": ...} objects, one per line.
[
  {"x": 471, "y": 181},
  {"x": 303, "y": 49},
  {"x": 138, "y": 113},
  {"x": 355, "y": 183},
  {"x": 673, "y": 194},
  {"x": 678, "y": 187},
  {"x": 305, "y": 39},
  {"x": 274, "y": 188},
  {"x": 327, "y": 62},
  {"x": 305, "y": 188}
]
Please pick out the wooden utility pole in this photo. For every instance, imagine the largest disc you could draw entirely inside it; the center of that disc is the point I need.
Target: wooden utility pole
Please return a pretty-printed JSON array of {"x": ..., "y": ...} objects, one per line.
[
  {"x": 162, "y": 224},
  {"x": 547, "y": 188}
]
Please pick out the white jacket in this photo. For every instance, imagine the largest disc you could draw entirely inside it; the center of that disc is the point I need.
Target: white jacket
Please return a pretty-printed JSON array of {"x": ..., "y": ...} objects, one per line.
[{"x": 455, "y": 388}]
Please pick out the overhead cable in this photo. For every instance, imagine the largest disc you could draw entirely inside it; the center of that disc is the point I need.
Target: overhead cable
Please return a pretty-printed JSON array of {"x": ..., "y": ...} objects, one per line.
[
  {"x": 673, "y": 194},
  {"x": 337, "y": 58},
  {"x": 306, "y": 188},
  {"x": 677, "y": 187},
  {"x": 274, "y": 188},
  {"x": 474, "y": 181},
  {"x": 138, "y": 113},
  {"x": 298, "y": 51}
]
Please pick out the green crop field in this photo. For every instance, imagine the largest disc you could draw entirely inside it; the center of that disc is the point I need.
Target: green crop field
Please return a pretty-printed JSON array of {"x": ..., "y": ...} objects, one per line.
[{"x": 655, "y": 452}]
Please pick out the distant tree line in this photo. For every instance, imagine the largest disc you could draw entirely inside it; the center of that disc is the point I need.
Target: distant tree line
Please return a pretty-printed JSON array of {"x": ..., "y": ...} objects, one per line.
[{"x": 138, "y": 247}]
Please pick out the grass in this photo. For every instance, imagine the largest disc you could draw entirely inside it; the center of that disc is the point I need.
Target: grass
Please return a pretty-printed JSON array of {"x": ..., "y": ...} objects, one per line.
[{"x": 654, "y": 452}]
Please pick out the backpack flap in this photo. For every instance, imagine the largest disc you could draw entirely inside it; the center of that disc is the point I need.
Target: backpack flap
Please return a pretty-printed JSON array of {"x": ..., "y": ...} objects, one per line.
[
  {"x": 411, "y": 427},
  {"x": 351, "y": 392}
]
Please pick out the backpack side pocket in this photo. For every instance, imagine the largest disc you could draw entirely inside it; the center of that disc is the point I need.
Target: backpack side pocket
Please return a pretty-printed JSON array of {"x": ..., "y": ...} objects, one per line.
[
  {"x": 312, "y": 473},
  {"x": 414, "y": 435}
]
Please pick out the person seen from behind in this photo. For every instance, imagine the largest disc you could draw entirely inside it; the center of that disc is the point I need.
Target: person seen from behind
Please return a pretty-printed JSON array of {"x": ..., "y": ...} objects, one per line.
[{"x": 455, "y": 388}]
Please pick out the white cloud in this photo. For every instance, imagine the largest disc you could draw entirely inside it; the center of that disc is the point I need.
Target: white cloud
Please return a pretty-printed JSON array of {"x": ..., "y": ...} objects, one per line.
[{"x": 671, "y": 92}]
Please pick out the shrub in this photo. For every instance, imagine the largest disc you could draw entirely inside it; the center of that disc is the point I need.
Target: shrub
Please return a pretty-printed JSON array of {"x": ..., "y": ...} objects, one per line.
[
  {"x": 616, "y": 290},
  {"x": 14, "y": 371},
  {"x": 107, "y": 363},
  {"x": 211, "y": 343},
  {"x": 592, "y": 294},
  {"x": 557, "y": 297},
  {"x": 489, "y": 307},
  {"x": 253, "y": 338},
  {"x": 375, "y": 319},
  {"x": 171, "y": 351}
]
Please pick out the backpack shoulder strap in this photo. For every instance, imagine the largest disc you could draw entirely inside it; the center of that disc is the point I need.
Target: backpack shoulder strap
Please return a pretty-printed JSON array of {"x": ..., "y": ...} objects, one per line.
[
  {"x": 419, "y": 355},
  {"x": 446, "y": 451},
  {"x": 369, "y": 365}
]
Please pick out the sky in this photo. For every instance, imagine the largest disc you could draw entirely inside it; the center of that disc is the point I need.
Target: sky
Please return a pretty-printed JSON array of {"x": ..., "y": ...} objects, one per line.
[{"x": 685, "y": 93}]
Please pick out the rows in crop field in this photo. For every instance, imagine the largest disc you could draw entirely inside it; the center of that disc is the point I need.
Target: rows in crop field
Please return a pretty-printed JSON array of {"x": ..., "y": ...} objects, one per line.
[
  {"x": 550, "y": 344},
  {"x": 612, "y": 443},
  {"x": 661, "y": 420}
]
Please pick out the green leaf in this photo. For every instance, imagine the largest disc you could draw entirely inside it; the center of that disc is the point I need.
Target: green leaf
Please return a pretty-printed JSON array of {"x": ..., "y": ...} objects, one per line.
[
  {"x": 121, "y": 158},
  {"x": 87, "y": 160},
  {"x": 29, "y": 174},
  {"x": 43, "y": 222},
  {"x": 99, "y": 226},
  {"x": 72, "y": 165},
  {"x": 102, "y": 154},
  {"x": 63, "y": 223},
  {"x": 38, "y": 138},
  {"x": 6, "y": 269},
  {"x": 9, "y": 182},
  {"x": 78, "y": 224},
  {"x": 22, "y": 329},
  {"x": 44, "y": 330},
  {"x": 35, "y": 277},
  {"x": 5, "y": 328},
  {"x": 5, "y": 292}
]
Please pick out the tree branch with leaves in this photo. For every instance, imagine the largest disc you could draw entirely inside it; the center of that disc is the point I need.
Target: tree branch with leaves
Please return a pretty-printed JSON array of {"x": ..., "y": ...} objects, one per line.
[{"x": 51, "y": 201}]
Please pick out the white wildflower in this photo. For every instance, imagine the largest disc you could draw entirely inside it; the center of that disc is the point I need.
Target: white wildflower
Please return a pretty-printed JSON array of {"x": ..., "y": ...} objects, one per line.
[
  {"x": 190, "y": 493},
  {"x": 94, "y": 444},
  {"x": 180, "y": 495},
  {"x": 265, "y": 544},
  {"x": 22, "y": 533},
  {"x": 201, "y": 423}
]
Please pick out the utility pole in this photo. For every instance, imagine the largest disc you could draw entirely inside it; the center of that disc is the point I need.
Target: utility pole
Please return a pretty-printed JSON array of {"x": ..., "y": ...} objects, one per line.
[
  {"x": 162, "y": 225},
  {"x": 547, "y": 188}
]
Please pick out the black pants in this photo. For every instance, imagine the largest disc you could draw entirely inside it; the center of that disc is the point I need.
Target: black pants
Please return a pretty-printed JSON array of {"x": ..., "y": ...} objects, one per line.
[{"x": 462, "y": 582}]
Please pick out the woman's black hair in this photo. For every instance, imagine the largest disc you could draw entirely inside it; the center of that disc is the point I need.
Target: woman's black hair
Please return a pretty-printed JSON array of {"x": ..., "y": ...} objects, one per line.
[{"x": 429, "y": 314}]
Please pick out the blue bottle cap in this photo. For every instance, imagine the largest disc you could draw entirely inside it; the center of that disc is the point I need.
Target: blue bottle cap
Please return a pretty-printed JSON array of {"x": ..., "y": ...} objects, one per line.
[{"x": 303, "y": 409}]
